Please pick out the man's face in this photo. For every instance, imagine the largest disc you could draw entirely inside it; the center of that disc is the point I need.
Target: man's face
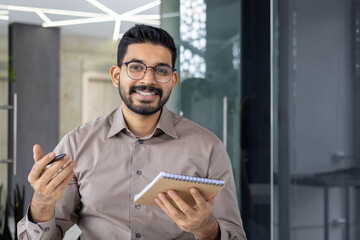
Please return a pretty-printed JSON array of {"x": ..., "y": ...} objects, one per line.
[{"x": 145, "y": 96}]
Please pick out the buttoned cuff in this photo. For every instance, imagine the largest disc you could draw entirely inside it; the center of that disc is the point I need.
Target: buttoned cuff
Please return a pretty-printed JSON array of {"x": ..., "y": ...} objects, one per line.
[{"x": 41, "y": 230}]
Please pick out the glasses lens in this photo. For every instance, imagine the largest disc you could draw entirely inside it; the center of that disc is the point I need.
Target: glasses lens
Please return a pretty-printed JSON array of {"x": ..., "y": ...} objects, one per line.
[
  {"x": 136, "y": 70},
  {"x": 163, "y": 73}
]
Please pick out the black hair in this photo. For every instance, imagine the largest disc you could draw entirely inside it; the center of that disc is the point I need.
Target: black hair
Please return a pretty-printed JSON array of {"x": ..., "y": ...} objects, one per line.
[{"x": 142, "y": 33}]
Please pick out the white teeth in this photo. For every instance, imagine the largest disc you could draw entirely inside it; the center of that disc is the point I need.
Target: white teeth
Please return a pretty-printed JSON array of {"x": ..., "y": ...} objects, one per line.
[{"x": 145, "y": 93}]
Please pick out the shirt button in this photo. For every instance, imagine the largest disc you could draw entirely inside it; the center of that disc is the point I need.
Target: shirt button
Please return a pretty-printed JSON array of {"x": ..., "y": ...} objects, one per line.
[
  {"x": 47, "y": 229},
  {"x": 138, "y": 235},
  {"x": 141, "y": 141},
  {"x": 37, "y": 231},
  {"x": 138, "y": 172},
  {"x": 137, "y": 206}
]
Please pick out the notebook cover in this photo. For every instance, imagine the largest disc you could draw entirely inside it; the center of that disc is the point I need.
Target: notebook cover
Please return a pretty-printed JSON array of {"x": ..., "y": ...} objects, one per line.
[{"x": 182, "y": 188}]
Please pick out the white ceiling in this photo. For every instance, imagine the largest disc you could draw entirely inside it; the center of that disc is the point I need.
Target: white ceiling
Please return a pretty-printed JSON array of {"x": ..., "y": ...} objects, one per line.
[{"x": 100, "y": 29}]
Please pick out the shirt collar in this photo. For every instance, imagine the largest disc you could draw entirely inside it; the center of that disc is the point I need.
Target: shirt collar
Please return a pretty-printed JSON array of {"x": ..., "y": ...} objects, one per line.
[
  {"x": 165, "y": 123},
  {"x": 117, "y": 123}
]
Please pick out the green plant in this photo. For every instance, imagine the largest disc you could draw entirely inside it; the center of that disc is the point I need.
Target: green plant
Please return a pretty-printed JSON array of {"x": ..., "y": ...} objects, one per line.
[
  {"x": 18, "y": 210},
  {"x": 11, "y": 74},
  {"x": 6, "y": 234}
]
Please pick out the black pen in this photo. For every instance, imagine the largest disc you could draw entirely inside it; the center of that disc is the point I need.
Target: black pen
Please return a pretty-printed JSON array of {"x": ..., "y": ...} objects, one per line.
[{"x": 57, "y": 158}]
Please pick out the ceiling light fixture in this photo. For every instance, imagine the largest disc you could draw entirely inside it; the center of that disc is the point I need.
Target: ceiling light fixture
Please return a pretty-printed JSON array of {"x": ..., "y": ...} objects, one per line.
[
  {"x": 103, "y": 8},
  {"x": 6, "y": 18},
  {"x": 145, "y": 17},
  {"x": 141, "y": 9},
  {"x": 126, "y": 16},
  {"x": 98, "y": 20},
  {"x": 78, "y": 21},
  {"x": 152, "y": 22},
  {"x": 4, "y": 12},
  {"x": 43, "y": 16},
  {"x": 52, "y": 11},
  {"x": 90, "y": 17},
  {"x": 117, "y": 29}
]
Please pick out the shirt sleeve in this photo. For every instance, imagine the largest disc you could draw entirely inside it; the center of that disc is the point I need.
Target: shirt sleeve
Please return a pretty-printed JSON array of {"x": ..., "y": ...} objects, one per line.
[
  {"x": 225, "y": 210},
  {"x": 42, "y": 230},
  {"x": 65, "y": 210}
]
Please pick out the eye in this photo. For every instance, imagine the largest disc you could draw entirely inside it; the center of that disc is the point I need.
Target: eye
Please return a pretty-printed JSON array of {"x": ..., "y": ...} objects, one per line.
[
  {"x": 138, "y": 67},
  {"x": 163, "y": 70}
]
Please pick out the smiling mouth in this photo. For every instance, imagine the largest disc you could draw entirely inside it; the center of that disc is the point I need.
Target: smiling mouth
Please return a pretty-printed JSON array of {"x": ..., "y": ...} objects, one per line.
[{"x": 146, "y": 94}]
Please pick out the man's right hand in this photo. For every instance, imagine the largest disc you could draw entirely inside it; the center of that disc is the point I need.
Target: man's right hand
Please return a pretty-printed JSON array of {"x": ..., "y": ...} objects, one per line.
[{"x": 48, "y": 188}]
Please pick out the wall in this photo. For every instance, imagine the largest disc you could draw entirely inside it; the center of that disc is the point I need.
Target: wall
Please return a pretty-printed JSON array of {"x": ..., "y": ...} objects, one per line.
[{"x": 80, "y": 54}]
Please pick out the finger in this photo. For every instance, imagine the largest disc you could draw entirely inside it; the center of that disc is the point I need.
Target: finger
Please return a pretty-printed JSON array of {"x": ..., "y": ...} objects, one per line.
[
  {"x": 47, "y": 163},
  {"x": 40, "y": 176},
  {"x": 54, "y": 169},
  {"x": 60, "y": 162},
  {"x": 199, "y": 199},
  {"x": 172, "y": 211},
  {"x": 53, "y": 191},
  {"x": 182, "y": 205},
  {"x": 37, "y": 152},
  {"x": 39, "y": 167},
  {"x": 66, "y": 182},
  {"x": 61, "y": 180},
  {"x": 61, "y": 174},
  {"x": 161, "y": 205}
]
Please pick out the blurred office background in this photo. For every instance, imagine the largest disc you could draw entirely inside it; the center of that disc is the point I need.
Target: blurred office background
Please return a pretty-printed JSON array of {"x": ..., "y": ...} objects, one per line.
[{"x": 277, "y": 81}]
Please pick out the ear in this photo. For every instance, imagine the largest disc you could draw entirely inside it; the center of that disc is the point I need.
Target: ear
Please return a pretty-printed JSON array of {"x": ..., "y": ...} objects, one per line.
[
  {"x": 174, "y": 80},
  {"x": 115, "y": 73}
]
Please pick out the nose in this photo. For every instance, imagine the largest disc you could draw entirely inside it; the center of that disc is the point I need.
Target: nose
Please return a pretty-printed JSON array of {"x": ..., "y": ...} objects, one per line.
[{"x": 149, "y": 76}]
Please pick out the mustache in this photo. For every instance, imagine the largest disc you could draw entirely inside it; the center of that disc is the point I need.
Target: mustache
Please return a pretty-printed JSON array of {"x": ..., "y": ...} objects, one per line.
[{"x": 146, "y": 87}]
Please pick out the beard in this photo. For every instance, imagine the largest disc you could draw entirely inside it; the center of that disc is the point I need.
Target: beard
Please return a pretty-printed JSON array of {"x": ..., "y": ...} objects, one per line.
[{"x": 144, "y": 108}]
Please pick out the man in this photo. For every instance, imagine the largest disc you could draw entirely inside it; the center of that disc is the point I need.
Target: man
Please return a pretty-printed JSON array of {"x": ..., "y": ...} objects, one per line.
[{"x": 117, "y": 155}]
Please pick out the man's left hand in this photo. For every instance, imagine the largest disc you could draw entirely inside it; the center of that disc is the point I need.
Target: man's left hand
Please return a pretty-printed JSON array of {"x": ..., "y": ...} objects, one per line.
[{"x": 197, "y": 219}]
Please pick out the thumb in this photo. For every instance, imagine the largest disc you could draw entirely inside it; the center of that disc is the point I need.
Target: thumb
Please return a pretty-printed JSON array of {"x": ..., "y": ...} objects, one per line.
[{"x": 38, "y": 153}]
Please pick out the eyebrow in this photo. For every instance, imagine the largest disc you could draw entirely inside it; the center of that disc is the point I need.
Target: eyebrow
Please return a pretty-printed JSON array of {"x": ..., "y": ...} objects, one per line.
[{"x": 141, "y": 61}]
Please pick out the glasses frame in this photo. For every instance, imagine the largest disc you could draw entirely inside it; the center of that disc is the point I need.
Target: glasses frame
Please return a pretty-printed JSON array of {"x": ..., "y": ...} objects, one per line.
[{"x": 146, "y": 68}]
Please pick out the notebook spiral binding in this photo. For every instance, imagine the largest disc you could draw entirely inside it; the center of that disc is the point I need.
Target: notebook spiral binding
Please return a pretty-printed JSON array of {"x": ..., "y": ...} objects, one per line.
[{"x": 193, "y": 179}]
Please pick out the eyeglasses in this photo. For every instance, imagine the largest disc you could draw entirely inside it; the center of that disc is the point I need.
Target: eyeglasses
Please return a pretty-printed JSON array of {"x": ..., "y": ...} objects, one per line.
[{"x": 137, "y": 70}]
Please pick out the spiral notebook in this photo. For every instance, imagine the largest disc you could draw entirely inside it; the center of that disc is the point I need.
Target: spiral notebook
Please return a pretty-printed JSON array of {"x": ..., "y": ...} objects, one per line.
[{"x": 165, "y": 181}]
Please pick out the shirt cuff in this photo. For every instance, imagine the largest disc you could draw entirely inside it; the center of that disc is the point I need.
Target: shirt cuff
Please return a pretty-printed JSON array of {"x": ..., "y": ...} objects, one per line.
[{"x": 41, "y": 230}]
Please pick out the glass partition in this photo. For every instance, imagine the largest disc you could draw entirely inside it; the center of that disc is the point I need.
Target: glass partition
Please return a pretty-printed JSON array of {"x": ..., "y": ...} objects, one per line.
[
  {"x": 210, "y": 71},
  {"x": 315, "y": 95},
  {"x": 209, "y": 92},
  {"x": 225, "y": 87}
]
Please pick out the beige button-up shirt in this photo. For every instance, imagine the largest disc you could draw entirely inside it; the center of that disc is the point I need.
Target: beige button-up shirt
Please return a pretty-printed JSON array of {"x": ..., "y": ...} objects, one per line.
[{"x": 112, "y": 165}]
